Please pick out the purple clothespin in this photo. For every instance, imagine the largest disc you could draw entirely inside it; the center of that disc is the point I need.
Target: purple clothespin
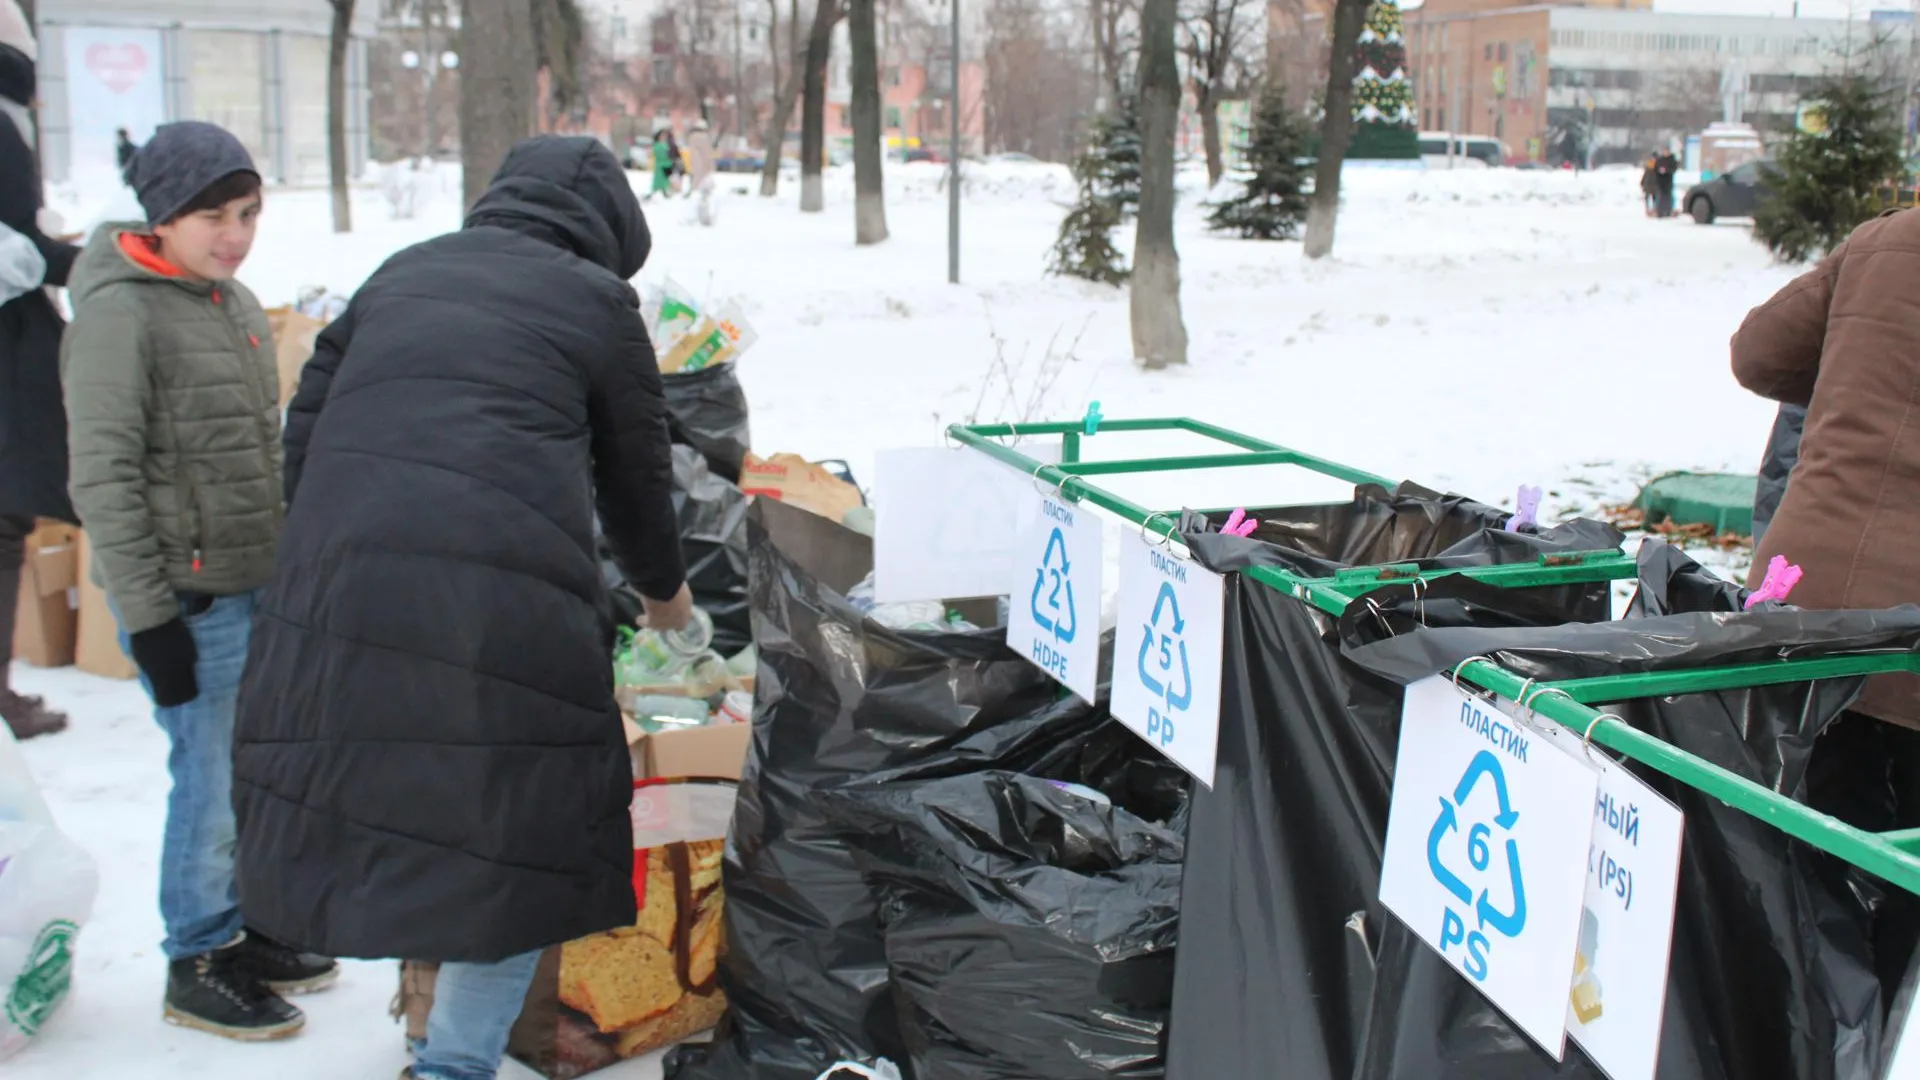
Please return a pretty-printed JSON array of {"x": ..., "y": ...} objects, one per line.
[
  {"x": 1239, "y": 524},
  {"x": 1526, "y": 510},
  {"x": 1781, "y": 577}
]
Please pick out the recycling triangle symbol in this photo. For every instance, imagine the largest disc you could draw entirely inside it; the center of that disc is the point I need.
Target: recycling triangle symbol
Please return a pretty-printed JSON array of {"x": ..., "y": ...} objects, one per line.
[
  {"x": 1163, "y": 652},
  {"x": 1479, "y": 851},
  {"x": 1053, "y": 607}
]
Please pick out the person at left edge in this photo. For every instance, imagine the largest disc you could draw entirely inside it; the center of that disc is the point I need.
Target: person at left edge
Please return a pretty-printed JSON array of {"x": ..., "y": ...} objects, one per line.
[
  {"x": 174, "y": 422},
  {"x": 33, "y": 420}
]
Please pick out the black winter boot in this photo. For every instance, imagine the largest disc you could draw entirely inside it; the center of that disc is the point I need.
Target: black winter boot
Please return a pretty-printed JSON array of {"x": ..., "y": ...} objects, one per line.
[
  {"x": 283, "y": 968},
  {"x": 215, "y": 993}
]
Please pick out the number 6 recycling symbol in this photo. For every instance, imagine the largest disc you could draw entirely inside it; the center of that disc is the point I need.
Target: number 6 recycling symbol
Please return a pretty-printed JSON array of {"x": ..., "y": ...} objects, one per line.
[
  {"x": 1063, "y": 623},
  {"x": 1480, "y": 853},
  {"x": 1164, "y": 605}
]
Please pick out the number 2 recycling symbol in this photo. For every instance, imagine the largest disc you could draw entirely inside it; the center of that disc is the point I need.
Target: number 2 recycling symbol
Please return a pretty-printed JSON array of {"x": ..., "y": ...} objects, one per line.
[
  {"x": 1053, "y": 608},
  {"x": 1487, "y": 915},
  {"x": 1160, "y": 677}
]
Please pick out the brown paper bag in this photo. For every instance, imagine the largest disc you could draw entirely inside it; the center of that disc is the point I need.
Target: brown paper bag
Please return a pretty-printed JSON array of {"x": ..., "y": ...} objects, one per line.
[
  {"x": 293, "y": 338},
  {"x": 798, "y": 482},
  {"x": 605, "y": 998}
]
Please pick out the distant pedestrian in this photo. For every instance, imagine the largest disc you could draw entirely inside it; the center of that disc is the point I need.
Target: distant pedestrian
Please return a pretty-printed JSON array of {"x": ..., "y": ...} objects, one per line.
[
  {"x": 1665, "y": 167},
  {"x": 678, "y": 158},
  {"x": 662, "y": 163},
  {"x": 700, "y": 169},
  {"x": 1650, "y": 183},
  {"x": 124, "y": 149}
]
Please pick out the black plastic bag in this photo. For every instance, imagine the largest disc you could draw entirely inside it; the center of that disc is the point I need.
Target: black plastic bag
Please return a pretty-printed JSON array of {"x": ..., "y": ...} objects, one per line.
[
  {"x": 713, "y": 541},
  {"x": 1776, "y": 465},
  {"x": 839, "y": 697},
  {"x": 1770, "y": 976},
  {"x": 707, "y": 410},
  {"x": 1029, "y": 930}
]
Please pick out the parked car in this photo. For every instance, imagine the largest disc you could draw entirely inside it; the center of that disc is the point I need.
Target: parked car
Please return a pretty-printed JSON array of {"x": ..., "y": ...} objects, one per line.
[
  {"x": 1734, "y": 194},
  {"x": 921, "y": 153},
  {"x": 739, "y": 161},
  {"x": 1474, "y": 151}
]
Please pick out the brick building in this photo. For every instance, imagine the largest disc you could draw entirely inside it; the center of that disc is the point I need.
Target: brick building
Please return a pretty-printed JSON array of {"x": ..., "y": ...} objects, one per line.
[{"x": 1538, "y": 74}]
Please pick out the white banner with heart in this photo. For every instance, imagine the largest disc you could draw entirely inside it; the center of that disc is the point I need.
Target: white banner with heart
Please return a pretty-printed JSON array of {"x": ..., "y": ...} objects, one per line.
[{"x": 115, "y": 80}]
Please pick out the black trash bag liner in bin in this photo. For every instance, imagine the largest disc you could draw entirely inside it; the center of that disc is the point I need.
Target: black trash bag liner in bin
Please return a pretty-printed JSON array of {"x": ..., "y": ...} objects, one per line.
[
  {"x": 707, "y": 410},
  {"x": 1275, "y": 971},
  {"x": 713, "y": 541},
  {"x": 1770, "y": 976},
  {"x": 1029, "y": 930},
  {"x": 839, "y": 697}
]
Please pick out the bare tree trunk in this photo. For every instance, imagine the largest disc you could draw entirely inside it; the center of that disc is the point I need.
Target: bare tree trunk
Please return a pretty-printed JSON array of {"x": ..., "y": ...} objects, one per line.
[
  {"x": 813, "y": 112},
  {"x": 342, "y": 37},
  {"x": 499, "y": 86},
  {"x": 1159, "y": 334},
  {"x": 776, "y": 138},
  {"x": 1210, "y": 133},
  {"x": 1336, "y": 128},
  {"x": 869, "y": 191}
]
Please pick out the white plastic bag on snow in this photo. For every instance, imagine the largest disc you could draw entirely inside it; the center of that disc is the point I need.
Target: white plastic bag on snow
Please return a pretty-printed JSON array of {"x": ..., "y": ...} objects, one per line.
[{"x": 47, "y": 886}]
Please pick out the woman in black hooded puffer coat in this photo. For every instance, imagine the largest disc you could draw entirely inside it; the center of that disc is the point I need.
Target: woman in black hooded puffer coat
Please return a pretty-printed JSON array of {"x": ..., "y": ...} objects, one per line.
[{"x": 428, "y": 762}]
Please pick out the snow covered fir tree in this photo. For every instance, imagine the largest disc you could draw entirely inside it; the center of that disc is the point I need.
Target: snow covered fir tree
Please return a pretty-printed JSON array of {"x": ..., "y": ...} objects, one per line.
[
  {"x": 1383, "y": 110},
  {"x": 1108, "y": 172},
  {"x": 1273, "y": 203}
]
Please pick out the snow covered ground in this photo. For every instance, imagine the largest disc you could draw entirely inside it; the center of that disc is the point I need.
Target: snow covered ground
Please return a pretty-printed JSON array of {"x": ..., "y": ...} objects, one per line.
[{"x": 1476, "y": 331}]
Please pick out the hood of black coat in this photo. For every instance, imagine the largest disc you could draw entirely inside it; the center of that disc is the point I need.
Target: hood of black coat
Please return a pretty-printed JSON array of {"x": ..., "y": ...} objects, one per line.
[{"x": 571, "y": 191}]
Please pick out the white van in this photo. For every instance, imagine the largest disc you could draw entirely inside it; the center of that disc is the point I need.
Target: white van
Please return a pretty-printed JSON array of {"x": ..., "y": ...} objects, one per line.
[{"x": 1469, "y": 151}]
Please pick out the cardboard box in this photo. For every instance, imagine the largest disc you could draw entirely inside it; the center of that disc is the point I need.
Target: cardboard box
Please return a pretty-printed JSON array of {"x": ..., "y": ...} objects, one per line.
[
  {"x": 97, "y": 650},
  {"x": 294, "y": 334},
  {"x": 715, "y": 752},
  {"x": 44, "y": 618},
  {"x": 798, "y": 482}
]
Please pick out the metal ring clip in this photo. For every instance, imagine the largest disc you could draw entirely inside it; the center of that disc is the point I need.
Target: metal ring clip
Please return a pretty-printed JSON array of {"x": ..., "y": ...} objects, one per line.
[
  {"x": 1166, "y": 539},
  {"x": 1463, "y": 663},
  {"x": 1059, "y": 487},
  {"x": 1586, "y": 740}
]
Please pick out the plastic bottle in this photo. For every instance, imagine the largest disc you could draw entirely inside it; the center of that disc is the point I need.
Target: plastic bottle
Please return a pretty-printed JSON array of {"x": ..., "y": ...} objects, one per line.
[{"x": 668, "y": 652}]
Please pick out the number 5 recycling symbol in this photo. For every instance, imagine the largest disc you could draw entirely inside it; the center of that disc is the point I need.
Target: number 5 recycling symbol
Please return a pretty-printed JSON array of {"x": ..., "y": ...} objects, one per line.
[
  {"x": 1167, "y": 606},
  {"x": 1479, "y": 854},
  {"x": 1054, "y": 579}
]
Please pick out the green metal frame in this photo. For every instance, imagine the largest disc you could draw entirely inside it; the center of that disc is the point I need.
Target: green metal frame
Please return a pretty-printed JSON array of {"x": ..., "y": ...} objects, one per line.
[{"x": 1893, "y": 856}]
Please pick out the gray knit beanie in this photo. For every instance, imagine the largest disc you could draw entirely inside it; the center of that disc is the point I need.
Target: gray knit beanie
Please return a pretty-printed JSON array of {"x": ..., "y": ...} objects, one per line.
[{"x": 182, "y": 160}]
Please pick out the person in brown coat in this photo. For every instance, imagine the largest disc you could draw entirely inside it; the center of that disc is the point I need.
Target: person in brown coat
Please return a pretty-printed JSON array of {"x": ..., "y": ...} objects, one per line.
[{"x": 1843, "y": 340}]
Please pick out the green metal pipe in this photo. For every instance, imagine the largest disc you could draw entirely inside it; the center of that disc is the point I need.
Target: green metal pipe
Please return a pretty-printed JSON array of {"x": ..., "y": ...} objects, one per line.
[{"x": 1873, "y": 853}]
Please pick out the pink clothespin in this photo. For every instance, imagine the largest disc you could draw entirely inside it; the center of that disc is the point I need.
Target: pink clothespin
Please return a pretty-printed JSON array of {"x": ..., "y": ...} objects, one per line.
[
  {"x": 1526, "y": 510},
  {"x": 1781, "y": 577},
  {"x": 1239, "y": 524}
]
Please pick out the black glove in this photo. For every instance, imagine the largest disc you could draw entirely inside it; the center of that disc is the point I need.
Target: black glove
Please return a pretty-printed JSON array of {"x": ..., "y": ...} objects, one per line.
[{"x": 166, "y": 655}]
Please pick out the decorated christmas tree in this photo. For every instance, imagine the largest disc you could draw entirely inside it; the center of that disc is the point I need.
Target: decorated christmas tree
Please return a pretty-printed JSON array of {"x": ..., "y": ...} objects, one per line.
[
  {"x": 1273, "y": 204},
  {"x": 1383, "y": 110}
]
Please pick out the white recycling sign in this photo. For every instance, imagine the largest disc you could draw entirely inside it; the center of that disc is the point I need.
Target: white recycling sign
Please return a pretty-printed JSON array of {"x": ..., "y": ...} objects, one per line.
[
  {"x": 1167, "y": 648},
  {"x": 1053, "y": 609},
  {"x": 1486, "y": 857}
]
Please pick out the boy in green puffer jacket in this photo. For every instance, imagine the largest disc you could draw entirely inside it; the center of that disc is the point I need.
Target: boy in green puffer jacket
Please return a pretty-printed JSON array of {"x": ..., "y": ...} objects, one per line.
[{"x": 173, "y": 428}]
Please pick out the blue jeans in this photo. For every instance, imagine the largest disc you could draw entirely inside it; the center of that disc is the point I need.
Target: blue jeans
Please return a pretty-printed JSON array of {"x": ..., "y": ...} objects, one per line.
[
  {"x": 197, "y": 900},
  {"x": 474, "y": 1007}
]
